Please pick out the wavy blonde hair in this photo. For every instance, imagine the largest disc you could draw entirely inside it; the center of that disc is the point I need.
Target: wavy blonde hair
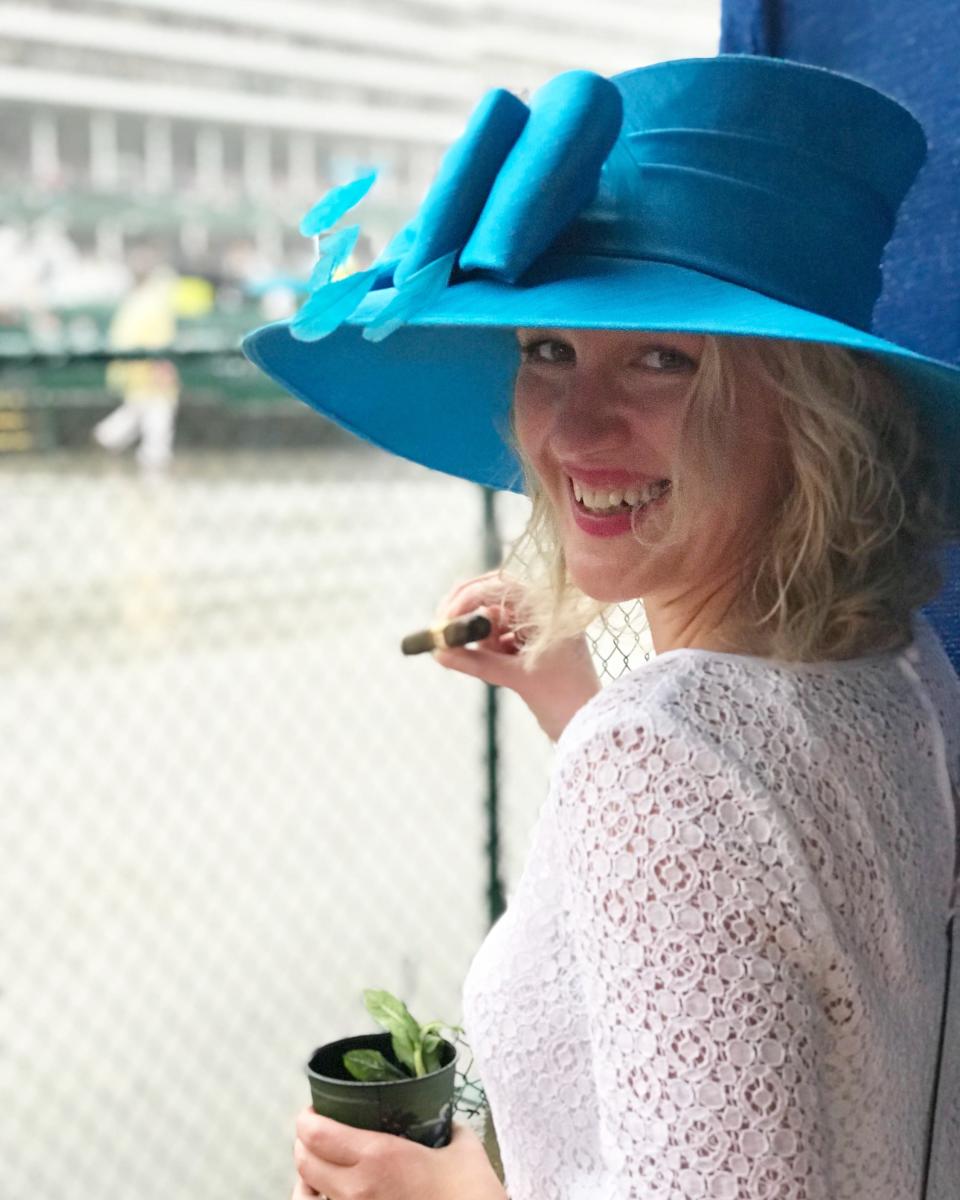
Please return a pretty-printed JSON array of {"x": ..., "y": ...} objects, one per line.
[{"x": 846, "y": 553}]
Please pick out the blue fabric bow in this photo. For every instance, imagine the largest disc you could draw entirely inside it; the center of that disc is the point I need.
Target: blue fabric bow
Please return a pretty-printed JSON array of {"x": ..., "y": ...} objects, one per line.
[{"x": 505, "y": 190}]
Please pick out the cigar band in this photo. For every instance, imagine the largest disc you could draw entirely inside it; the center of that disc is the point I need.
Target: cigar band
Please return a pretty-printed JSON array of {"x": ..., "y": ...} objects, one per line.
[{"x": 436, "y": 632}]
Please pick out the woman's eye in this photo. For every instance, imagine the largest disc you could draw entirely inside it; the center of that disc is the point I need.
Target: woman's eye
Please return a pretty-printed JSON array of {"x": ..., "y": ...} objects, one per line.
[
  {"x": 660, "y": 359},
  {"x": 547, "y": 350},
  {"x": 666, "y": 360}
]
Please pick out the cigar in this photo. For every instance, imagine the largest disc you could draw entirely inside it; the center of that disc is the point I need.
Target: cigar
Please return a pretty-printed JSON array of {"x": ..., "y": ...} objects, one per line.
[{"x": 452, "y": 633}]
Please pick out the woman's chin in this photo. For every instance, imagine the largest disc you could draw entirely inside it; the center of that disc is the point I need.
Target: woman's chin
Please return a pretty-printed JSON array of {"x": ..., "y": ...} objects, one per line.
[{"x": 604, "y": 586}]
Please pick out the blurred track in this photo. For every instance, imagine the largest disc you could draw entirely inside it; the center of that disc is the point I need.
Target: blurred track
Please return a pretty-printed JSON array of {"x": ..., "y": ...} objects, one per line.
[{"x": 230, "y": 803}]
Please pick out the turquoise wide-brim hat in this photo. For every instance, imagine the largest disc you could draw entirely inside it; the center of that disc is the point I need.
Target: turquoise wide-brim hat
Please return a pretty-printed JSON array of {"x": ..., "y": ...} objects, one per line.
[{"x": 735, "y": 195}]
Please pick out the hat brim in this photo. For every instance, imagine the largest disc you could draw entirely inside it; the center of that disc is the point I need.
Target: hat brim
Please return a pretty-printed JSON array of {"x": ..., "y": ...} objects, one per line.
[{"x": 438, "y": 390}]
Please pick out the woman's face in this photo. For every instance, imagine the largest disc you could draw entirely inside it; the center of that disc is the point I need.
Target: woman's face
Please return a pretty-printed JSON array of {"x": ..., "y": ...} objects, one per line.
[{"x": 598, "y": 414}]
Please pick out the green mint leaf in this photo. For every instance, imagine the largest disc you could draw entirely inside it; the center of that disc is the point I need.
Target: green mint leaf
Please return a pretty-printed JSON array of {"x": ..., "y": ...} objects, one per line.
[
  {"x": 369, "y": 1066},
  {"x": 393, "y": 1015},
  {"x": 431, "y": 1052}
]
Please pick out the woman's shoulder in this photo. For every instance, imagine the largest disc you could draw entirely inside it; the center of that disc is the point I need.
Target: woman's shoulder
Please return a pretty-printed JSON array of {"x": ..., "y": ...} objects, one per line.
[
  {"x": 681, "y": 682},
  {"x": 664, "y": 737},
  {"x": 710, "y": 697},
  {"x": 929, "y": 655},
  {"x": 671, "y": 694}
]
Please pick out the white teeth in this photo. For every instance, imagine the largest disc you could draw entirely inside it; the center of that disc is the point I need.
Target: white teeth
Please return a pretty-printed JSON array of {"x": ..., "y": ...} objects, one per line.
[{"x": 603, "y": 501}]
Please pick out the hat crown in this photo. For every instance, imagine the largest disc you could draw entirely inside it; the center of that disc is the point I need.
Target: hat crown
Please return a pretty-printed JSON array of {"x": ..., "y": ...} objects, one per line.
[
  {"x": 782, "y": 177},
  {"x": 859, "y": 130}
]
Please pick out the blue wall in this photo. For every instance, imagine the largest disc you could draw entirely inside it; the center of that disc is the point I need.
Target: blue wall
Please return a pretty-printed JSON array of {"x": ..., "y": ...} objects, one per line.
[{"x": 911, "y": 50}]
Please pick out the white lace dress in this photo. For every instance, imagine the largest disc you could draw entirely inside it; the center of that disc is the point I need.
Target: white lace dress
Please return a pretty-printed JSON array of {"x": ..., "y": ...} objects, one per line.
[{"x": 721, "y": 972}]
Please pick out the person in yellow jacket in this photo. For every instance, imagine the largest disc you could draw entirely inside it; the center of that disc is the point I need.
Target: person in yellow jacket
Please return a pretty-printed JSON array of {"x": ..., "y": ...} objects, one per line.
[{"x": 150, "y": 388}]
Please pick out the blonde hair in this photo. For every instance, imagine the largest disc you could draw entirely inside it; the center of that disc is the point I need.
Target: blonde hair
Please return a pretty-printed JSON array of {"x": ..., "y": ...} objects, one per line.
[{"x": 846, "y": 553}]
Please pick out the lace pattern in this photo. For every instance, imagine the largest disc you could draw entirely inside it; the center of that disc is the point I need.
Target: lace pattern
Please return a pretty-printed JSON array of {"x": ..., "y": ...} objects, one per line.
[{"x": 721, "y": 973}]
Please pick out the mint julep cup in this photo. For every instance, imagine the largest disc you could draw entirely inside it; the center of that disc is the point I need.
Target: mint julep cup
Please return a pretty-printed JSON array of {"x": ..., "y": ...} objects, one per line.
[{"x": 420, "y": 1109}]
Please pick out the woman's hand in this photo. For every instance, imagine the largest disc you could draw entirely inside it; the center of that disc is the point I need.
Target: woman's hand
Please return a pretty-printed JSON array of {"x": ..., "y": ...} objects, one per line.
[
  {"x": 563, "y": 680},
  {"x": 344, "y": 1163}
]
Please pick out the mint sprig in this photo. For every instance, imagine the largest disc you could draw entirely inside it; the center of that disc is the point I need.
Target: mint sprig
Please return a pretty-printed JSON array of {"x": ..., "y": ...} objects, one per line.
[{"x": 416, "y": 1046}]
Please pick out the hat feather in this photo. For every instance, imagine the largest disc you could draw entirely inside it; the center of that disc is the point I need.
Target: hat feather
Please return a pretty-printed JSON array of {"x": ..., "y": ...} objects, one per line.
[
  {"x": 401, "y": 242},
  {"x": 330, "y": 305},
  {"x": 337, "y": 248},
  {"x": 419, "y": 290},
  {"x": 330, "y": 208}
]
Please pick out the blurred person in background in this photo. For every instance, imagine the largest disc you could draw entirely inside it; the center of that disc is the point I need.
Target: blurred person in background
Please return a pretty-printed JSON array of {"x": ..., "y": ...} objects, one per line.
[{"x": 146, "y": 319}]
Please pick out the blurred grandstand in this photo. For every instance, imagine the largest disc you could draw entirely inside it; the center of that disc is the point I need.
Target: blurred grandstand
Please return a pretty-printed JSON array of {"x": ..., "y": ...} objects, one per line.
[{"x": 204, "y": 128}]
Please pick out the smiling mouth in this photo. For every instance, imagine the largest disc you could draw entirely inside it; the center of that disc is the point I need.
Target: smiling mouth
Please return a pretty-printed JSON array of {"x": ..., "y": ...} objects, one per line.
[{"x": 596, "y": 502}]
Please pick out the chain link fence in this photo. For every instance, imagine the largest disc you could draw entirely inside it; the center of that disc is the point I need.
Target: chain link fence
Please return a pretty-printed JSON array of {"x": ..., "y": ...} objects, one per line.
[{"x": 230, "y": 803}]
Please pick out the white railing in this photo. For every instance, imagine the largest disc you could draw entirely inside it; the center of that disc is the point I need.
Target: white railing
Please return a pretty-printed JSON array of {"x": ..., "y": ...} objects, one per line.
[
  {"x": 263, "y": 56},
  {"x": 338, "y": 22},
  {"x": 399, "y": 122}
]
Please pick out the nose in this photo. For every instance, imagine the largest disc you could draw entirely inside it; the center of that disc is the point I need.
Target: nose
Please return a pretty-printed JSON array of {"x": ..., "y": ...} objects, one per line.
[{"x": 586, "y": 416}]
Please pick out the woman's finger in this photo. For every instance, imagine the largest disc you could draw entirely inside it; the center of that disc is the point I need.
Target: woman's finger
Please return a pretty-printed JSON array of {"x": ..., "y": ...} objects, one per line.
[
  {"x": 469, "y": 601},
  {"x": 303, "y": 1191},
  {"x": 490, "y": 588},
  {"x": 330, "y": 1140},
  {"x": 492, "y": 666},
  {"x": 494, "y": 617},
  {"x": 466, "y": 587},
  {"x": 319, "y": 1176},
  {"x": 501, "y": 620}
]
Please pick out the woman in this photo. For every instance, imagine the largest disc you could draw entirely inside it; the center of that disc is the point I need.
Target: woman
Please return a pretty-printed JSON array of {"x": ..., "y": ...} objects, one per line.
[{"x": 722, "y": 973}]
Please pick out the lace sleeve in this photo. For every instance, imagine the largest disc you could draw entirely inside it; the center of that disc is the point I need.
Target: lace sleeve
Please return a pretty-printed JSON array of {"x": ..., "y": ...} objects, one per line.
[{"x": 689, "y": 912}]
